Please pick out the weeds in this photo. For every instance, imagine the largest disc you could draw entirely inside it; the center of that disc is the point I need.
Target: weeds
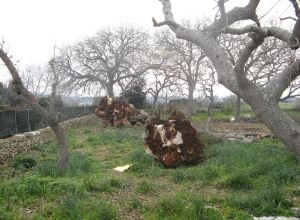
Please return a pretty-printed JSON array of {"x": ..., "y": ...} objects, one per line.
[{"x": 235, "y": 181}]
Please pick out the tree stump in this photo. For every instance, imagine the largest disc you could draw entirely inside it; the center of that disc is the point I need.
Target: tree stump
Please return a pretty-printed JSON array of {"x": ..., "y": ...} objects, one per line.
[{"x": 173, "y": 142}]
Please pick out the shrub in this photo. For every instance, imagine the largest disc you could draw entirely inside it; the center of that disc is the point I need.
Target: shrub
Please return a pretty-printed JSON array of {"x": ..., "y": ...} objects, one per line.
[{"x": 24, "y": 163}]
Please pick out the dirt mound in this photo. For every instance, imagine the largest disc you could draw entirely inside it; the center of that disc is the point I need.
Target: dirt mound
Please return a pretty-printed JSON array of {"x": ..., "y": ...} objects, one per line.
[
  {"x": 119, "y": 113},
  {"x": 174, "y": 141}
]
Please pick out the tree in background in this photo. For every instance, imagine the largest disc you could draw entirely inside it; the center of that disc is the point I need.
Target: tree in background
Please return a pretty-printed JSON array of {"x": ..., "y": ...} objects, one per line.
[
  {"x": 188, "y": 61},
  {"x": 37, "y": 79},
  {"x": 263, "y": 100},
  {"x": 135, "y": 93},
  {"x": 3, "y": 96},
  {"x": 208, "y": 82},
  {"x": 112, "y": 57}
]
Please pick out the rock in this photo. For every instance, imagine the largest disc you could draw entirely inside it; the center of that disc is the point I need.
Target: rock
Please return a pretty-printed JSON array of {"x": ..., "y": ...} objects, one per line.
[
  {"x": 173, "y": 142},
  {"x": 233, "y": 139},
  {"x": 234, "y": 135},
  {"x": 296, "y": 211},
  {"x": 247, "y": 140}
]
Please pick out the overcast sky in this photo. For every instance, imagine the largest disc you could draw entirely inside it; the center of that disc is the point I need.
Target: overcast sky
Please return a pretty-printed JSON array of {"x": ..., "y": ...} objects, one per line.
[{"x": 30, "y": 28}]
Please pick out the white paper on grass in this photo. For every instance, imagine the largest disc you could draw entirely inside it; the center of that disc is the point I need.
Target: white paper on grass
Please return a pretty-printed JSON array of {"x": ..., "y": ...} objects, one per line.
[{"x": 122, "y": 168}]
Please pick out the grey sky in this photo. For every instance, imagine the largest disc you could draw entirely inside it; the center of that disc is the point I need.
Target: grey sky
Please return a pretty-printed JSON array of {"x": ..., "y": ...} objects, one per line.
[{"x": 31, "y": 27}]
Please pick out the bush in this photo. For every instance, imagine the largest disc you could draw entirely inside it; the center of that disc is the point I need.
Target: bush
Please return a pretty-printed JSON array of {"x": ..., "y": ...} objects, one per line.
[{"x": 24, "y": 163}]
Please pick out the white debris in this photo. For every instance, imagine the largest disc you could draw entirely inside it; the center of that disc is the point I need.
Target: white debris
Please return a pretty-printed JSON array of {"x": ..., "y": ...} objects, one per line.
[
  {"x": 109, "y": 101},
  {"x": 123, "y": 168}
]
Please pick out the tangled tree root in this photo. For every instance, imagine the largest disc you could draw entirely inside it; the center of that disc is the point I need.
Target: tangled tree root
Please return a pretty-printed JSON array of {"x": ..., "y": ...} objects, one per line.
[
  {"x": 174, "y": 141},
  {"x": 119, "y": 113}
]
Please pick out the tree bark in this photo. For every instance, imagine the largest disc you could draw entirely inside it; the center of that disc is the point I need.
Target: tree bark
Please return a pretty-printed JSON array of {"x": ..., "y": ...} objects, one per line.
[
  {"x": 238, "y": 108},
  {"x": 110, "y": 90},
  {"x": 190, "y": 101},
  {"x": 281, "y": 125},
  {"x": 155, "y": 102},
  {"x": 210, "y": 112},
  {"x": 63, "y": 155}
]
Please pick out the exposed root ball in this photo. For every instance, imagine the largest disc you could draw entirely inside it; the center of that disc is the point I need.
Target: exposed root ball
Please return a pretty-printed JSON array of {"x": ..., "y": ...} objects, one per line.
[
  {"x": 173, "y": 142},
  {"x": 118, "y": 113}
]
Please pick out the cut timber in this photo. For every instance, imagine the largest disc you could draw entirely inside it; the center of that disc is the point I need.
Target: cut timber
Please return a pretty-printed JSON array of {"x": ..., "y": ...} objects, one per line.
[
  {"x": 119, "y": 113},
  {"x": 174, "y": 141}
]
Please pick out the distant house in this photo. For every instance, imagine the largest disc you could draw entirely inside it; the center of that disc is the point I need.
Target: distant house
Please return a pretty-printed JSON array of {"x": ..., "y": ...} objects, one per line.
[{"x": 182, "y": 105}]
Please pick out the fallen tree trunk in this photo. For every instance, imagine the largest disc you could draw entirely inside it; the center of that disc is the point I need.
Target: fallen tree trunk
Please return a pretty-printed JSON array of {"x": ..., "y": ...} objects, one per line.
[{"x": 173, "y": 142}]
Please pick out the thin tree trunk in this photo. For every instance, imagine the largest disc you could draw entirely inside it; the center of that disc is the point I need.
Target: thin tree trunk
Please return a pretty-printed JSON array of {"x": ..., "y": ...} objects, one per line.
[
  {"x": 210, "y": 113},
  {"x": 190, "y": 103},
  {"x": 155, "y": 102},
  {"x": 63, "y": 155},
  {"x": 238, "y": 108}
]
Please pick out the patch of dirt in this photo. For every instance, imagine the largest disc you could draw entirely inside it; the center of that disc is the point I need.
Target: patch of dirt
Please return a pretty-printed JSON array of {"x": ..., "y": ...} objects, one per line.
[
  {"x": 233, "y": 126},
  {"x": 241, "y": 126}
]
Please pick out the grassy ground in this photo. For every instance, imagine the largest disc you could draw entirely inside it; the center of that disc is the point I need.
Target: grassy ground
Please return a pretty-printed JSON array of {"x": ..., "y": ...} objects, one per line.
[
  {"x": 235, "y": 181},
  {"x": 246, "y": 111}
]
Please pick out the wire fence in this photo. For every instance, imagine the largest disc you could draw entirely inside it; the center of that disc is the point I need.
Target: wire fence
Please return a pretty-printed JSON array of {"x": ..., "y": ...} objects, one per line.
[{"x": 15, "y": 121}]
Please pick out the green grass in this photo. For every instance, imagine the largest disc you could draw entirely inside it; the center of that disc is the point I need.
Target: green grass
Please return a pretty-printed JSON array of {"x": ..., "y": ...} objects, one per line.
[
  {"x": 234, "y": 182},
  {"x": 246, "y": 111}
]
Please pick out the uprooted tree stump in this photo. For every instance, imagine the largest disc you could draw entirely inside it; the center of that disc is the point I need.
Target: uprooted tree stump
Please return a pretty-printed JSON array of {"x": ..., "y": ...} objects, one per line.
[
  {"x": 173, "y": 142},
  {"x": 119, "y": 113}
]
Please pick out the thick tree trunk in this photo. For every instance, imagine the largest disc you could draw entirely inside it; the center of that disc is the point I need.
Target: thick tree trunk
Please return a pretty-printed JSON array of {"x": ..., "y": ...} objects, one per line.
[
  {"x": 280, "y": 124},
  {"x": 110, "y": 91},
  {"x": 238, "y": 108}
]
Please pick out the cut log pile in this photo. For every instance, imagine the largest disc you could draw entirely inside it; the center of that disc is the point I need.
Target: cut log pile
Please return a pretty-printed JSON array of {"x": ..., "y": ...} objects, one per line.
[
  {"x": 173, "y": 142},
  {"x": 119, "y": 113}
]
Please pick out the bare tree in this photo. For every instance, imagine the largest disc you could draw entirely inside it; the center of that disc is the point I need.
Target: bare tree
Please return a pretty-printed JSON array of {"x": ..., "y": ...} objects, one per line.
[
  {"x": 188, "y": 62},
  {"x": 208, "y": 82},
  {"x": 63, "y": 155},
  {"x": 109, "y": 58},
  {"x": 162, "y": 80},
  {"x": 263, "y": 100},
  {"x": 37, "y": 79}
]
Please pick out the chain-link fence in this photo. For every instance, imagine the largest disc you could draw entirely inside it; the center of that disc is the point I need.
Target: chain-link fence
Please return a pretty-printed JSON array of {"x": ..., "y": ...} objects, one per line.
[{"x": 15, "y": 121}]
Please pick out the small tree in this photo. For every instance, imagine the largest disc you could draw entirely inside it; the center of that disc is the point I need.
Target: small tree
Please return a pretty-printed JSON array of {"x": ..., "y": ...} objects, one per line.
[
  {"x": 187, "y": 61},
  {"x": 20, "y": 89},
  {"x": 135, "y": 95}
]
